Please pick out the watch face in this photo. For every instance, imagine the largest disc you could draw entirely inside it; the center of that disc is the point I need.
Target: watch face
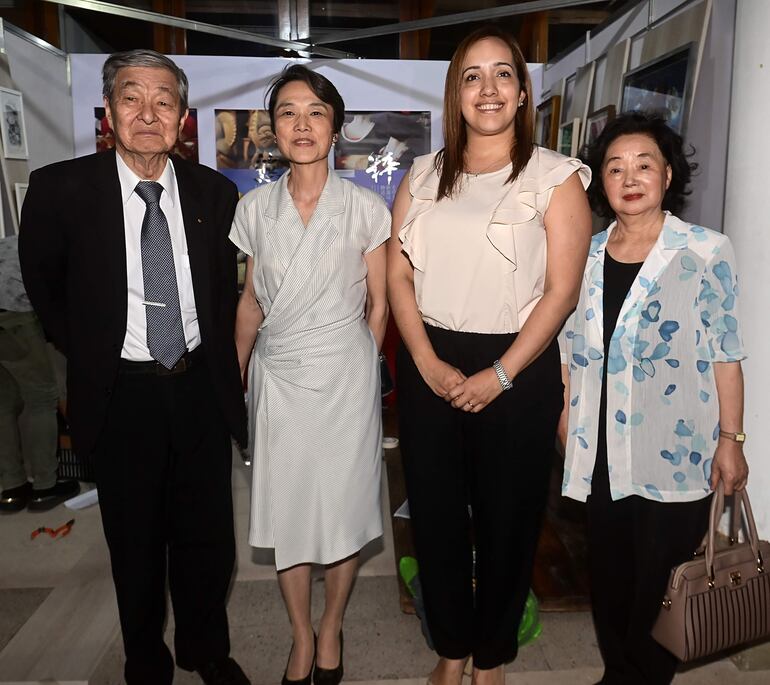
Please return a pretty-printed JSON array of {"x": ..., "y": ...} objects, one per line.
[{"x": 740, "y": 437}]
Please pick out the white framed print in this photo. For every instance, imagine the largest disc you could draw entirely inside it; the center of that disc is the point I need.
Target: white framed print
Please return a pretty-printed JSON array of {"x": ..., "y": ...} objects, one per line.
[
  {"x": 21, "y": 191},
  {"x": 2, "y": 217},
  {"x": 14, "y": 133}
]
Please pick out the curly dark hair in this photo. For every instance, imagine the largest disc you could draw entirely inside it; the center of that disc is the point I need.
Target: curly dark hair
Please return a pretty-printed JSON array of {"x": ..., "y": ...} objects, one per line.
[
  {"x": 669, "y": 142},
  {"x": 319, "y": 84}
]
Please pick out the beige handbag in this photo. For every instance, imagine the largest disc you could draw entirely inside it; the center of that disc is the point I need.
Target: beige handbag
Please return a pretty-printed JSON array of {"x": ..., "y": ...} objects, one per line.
[{"x": 721, "y": 598}]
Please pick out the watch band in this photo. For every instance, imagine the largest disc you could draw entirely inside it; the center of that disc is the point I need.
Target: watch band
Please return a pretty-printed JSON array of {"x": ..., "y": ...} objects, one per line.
[
  {"x": 738, "y": 436},
  {"x": 505, "y": 382}
]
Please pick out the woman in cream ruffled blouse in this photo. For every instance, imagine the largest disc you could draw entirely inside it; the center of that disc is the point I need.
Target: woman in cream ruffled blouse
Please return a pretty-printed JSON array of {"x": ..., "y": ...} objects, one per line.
[{"x": 489, "y": 241}]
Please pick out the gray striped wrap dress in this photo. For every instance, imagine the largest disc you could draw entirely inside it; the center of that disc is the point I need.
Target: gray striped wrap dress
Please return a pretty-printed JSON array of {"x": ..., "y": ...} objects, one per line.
[{"x": 315, "y": 420}]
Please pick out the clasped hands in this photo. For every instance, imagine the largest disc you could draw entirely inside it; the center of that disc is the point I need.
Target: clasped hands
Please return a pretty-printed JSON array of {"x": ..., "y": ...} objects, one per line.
[{"x": 467, "y": 393}]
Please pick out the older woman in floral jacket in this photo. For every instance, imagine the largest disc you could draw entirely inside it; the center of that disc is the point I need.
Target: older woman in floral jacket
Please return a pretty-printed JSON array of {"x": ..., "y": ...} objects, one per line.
[{"x": 655, "y": 392}]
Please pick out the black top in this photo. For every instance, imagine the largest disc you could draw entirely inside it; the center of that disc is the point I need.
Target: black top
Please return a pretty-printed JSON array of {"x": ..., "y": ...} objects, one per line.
[{"x": 618, "y": 278}]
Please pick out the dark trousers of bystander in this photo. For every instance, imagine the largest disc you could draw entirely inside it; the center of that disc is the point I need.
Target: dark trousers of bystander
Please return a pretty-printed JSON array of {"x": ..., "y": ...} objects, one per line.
[{"x": 28, "y": 395}]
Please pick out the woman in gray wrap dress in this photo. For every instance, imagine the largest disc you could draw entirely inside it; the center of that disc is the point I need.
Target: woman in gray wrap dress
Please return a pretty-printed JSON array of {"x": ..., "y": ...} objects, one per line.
[{"x": 311, "y": 320}]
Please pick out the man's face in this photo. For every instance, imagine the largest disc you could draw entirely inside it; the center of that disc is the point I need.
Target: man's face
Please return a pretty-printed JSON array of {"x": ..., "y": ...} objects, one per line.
[{"x": 145, "y": 111}]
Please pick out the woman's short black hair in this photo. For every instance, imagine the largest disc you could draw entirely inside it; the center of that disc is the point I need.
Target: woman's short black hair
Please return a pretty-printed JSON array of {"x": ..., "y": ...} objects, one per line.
[
  {"x": 320, "y": 85},
  {"x": 670, "y": 144}
]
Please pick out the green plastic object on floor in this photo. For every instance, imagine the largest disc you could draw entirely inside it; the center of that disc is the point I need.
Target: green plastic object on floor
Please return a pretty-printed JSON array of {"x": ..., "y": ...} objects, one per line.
[
  {"x": 530, "y": 626},
  {"x": 407, "y": 567}
]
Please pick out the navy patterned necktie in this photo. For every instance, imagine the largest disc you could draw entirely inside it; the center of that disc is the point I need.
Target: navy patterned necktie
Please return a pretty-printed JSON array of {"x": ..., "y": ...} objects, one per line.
[{"x": 165, "y": 333}]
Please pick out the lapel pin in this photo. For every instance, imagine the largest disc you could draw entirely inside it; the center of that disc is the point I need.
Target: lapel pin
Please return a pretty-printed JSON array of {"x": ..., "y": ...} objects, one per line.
[{"x": 200, "y": 221}]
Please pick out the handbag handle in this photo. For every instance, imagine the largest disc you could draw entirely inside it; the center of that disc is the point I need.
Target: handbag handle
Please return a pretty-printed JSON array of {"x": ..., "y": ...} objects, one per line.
[
  {"x": 717, "y": 509},
  {"x": 736, "y": 524}
]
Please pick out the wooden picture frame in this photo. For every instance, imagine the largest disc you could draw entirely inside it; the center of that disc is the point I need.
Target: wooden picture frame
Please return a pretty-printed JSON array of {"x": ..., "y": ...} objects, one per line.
[
  {"x": 12, "y": 127},
  {"x": 595, "y": 123},
  {"x": 569, "y": 137},
  {"x": 547, "y": 122},
  {"x": 663, "y": 86}
]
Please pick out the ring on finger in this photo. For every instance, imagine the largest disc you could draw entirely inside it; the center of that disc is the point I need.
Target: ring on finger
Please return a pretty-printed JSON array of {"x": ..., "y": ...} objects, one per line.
[{"x": 470, "y": 404}]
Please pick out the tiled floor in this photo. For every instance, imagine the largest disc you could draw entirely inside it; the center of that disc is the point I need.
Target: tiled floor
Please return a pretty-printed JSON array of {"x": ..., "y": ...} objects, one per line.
[{"x": 58, "y": 618}]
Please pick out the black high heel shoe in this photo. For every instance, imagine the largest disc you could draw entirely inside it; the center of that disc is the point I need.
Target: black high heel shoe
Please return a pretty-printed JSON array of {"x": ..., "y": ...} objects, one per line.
[
  {"x": 307, "y": 678},
  {"x": 329, "y": 676}
]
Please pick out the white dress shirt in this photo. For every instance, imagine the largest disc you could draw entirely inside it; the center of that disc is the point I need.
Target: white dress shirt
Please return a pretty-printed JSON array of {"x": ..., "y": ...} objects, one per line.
[{"x": 135, "y": 343}]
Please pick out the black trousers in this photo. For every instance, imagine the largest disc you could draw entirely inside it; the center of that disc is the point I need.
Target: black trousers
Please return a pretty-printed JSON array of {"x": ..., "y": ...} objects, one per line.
[
  {"x": 497, "y": 461},
  {"x": 633, "y": 544},
  {"x": 163, "y": 467}
]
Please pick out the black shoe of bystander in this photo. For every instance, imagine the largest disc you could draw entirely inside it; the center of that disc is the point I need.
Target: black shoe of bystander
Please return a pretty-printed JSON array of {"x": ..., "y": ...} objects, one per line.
[
  {"x": 48, "y": 498},
  {"x": 15, "y": 499}
]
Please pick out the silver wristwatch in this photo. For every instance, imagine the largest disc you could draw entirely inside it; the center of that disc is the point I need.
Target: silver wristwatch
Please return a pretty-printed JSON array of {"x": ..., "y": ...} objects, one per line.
[{"x": 505, "y": 382}]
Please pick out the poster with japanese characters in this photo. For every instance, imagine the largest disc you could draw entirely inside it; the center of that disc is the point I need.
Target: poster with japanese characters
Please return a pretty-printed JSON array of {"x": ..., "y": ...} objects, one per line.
[
  {"x": 246, "y": 150},
  {"x": 376, "y": 149},
  {"x": 373, "y": 149}
]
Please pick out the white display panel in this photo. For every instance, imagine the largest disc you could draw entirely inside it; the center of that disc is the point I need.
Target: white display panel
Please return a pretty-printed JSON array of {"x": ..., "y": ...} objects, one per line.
[{"x": 241, "y": 83}]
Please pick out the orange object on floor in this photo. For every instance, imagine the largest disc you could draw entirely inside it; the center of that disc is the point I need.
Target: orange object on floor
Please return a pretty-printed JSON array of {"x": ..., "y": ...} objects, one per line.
[{"x": 62, "y": 530}]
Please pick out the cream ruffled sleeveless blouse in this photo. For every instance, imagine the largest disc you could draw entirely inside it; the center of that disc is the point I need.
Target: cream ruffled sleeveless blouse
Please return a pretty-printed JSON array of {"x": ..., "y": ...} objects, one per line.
[{"x": 479, "y": 257}]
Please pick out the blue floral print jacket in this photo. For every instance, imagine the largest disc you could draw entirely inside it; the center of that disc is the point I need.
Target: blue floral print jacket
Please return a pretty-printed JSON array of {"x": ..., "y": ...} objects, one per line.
[{"x": 679, "y": 317}]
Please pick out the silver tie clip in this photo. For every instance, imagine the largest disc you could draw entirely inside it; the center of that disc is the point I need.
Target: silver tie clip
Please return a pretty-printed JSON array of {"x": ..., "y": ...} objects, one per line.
[{"x": 153, "y": 304}]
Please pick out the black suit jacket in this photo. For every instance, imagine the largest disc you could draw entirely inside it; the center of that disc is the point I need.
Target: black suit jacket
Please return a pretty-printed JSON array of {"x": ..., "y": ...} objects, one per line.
[{"x": 73, "y": 261}]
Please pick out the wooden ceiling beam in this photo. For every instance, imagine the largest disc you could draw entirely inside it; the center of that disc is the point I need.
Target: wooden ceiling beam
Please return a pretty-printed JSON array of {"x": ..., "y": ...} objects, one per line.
[
  {"x": 578, "y": 16},
  {"x": 415, "y": 44},
  {"x": 169, "y": 40}
]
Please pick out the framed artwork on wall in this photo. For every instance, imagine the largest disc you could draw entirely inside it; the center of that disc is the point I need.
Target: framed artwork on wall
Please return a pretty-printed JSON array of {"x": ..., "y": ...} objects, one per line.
[
  {"x": 21, "y": 191},
  {"x": 584, "y": 87},
  {"x": 12, "y": 127},
  {"x": 662, "y": 86},
  {"x": 547, "y": 122},
  {"x": 568, "y": 97},
  {"x": 615, "y": 66},
  {"x": 569, "y": 135},
  {"x": 596, "y": 121},
  {"x": 2, "y": 213}
]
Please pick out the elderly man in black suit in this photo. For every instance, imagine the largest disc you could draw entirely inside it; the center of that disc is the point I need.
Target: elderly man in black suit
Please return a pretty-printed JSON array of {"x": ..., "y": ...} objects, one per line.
[{"x": 126, "y": 260}]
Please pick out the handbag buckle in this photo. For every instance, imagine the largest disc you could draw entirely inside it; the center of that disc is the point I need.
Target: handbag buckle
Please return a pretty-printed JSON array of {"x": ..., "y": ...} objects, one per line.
[
  {"x": 735, "y": 578},
  {"x": 760, "y": 564},
  {"x": 711, "y": 580}
]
